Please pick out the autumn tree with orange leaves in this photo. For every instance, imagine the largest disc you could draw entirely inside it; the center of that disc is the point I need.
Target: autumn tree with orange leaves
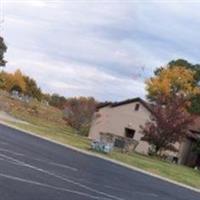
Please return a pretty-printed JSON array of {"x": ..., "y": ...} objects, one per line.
[
  {"x": 170, "y": 91},
  {"x": 17, "y": 81},
  {"x": 170, "y": 82}
]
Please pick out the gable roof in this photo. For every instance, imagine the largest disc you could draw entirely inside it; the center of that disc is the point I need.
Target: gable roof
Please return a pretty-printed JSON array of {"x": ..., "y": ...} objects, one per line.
[
  {"x": 102, "y": 105},
  {"x": 125, "y": 102}
]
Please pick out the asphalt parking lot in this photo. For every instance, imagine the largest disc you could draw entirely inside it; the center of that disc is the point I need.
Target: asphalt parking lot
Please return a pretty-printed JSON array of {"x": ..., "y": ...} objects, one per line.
[{"x": 34, "y": 169}]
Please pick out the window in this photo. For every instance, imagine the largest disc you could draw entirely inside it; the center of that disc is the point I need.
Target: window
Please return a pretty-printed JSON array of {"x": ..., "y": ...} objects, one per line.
[
  {"x": 129, "y": 132},
  {"x": 137, "y": 106},
  {"x": 119, "y": 143}
]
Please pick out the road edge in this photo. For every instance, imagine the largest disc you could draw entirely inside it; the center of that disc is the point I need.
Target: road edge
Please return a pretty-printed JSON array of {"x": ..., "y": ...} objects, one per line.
[{"x": 101, "y": 157}]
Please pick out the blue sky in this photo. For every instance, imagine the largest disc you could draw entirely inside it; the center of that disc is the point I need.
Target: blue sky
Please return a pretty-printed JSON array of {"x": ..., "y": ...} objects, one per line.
[{"x": 104, "y": 49}]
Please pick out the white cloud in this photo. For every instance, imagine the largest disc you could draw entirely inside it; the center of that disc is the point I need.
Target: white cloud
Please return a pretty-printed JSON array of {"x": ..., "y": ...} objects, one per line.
[
  {"x": 95, "y": 48},
  {"x": 37, "y": 3},
  {"x": 73, "y": 79}
]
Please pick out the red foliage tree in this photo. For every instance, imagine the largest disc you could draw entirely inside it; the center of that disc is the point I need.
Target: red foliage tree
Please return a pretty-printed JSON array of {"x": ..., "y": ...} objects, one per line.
[
  {"x": 168, "y": 124},
  {"x": 78, "y": 113}
]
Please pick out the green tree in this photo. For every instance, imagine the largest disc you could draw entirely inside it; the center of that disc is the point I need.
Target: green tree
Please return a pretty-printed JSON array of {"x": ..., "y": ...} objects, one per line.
[
  {"x": 195, "y": 99},
  {"x": 3, "y": 49},
  {"x": 188, "y": 65},
  {"x": 57, "y": 101}
]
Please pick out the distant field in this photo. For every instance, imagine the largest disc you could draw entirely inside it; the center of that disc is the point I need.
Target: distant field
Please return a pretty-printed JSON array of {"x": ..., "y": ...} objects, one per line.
[{"x": 47, "y": 121}]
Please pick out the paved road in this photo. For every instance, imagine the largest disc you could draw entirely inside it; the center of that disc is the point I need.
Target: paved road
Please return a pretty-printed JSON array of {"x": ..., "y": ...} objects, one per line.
[{"x": 35, "y": 169}]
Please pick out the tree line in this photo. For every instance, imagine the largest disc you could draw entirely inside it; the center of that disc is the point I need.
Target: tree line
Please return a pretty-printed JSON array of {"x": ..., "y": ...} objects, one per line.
[
  {"x": 173, "y": 91},
  {"x": 77, "y": 111},
  {"x": 21, "y": 83}
]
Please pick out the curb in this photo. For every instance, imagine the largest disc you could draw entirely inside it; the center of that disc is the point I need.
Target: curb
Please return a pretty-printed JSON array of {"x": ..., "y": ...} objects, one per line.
[{"x": 102, "y": 157}]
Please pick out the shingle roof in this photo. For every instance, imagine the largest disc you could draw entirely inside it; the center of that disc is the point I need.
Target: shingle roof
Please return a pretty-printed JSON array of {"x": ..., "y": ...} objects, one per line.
[{"x": 128, "y": 101}]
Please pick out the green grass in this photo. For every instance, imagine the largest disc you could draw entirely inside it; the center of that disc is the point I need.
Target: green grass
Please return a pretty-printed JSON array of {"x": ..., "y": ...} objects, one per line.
[
  {"x": 67, "y": 135},
  {"x": 47, "y": 121}
]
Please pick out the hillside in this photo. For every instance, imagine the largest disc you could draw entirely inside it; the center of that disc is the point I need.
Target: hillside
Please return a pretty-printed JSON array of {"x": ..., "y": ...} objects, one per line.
[
  {"x": 40, "y": 118},
  {"x": 32, "y": 111}
]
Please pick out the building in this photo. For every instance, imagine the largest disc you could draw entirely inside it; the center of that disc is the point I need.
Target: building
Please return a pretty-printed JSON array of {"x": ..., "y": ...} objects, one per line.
[{"x": 124, "y": 119}]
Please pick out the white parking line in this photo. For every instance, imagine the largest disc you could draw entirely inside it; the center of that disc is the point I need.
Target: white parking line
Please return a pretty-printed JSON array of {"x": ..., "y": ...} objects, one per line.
[
  {"x": 63, "y": 166},
  {"x": 55, "y": 164},
  {"x": 12, "y": 152},
  {"x": 23, "y": 164},
  {"x": 40, "y": 160},
  {"x": 51, "y": 187},
  {"x": 117, "y": 188},
  {"x": 20, "y": 163}
]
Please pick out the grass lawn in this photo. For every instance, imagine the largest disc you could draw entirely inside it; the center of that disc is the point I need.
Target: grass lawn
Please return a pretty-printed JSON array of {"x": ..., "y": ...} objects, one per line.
[
  {"x": 67, "y": 135},
  {"x": 48, "y": 121}
]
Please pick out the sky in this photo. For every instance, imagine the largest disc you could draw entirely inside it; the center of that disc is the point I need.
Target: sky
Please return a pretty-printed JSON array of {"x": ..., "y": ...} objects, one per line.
[{"x": 105, "y": 49}]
